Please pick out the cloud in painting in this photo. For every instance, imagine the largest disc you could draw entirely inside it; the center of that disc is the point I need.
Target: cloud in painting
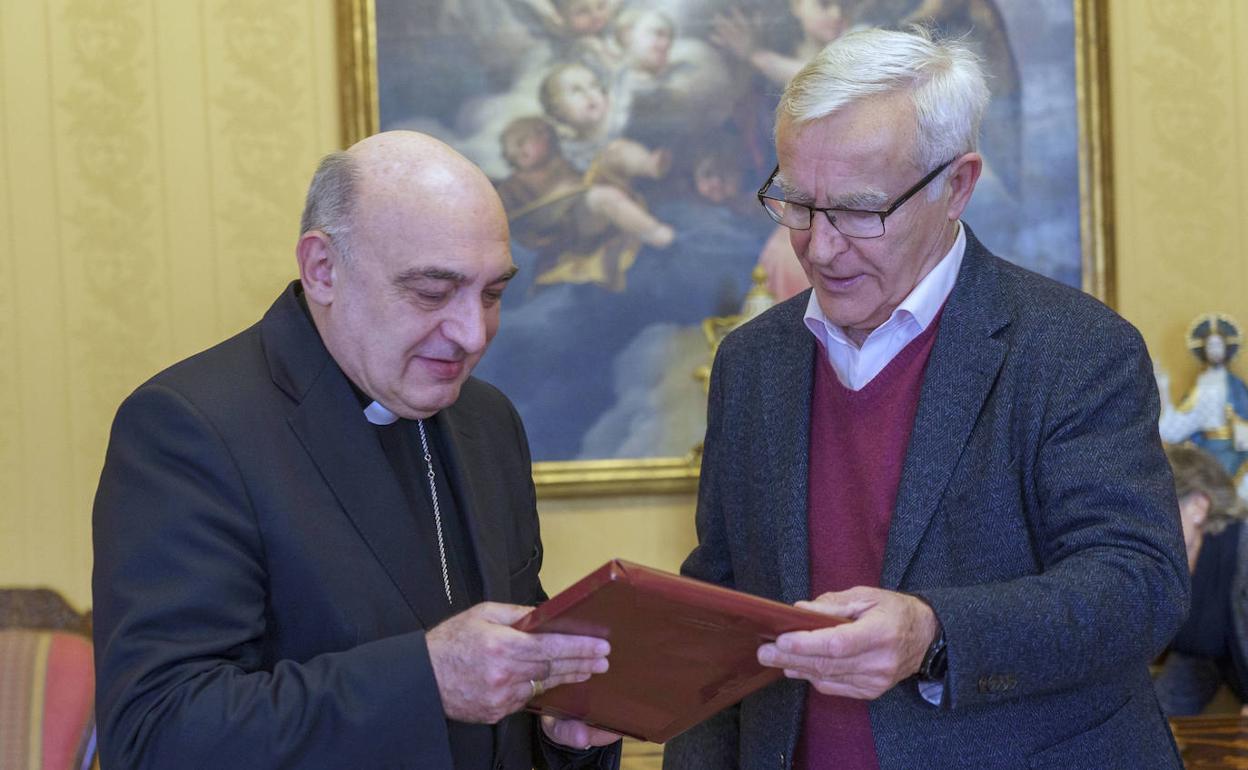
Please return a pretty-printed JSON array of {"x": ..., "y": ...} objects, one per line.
[{"x": 660, "y": 407}]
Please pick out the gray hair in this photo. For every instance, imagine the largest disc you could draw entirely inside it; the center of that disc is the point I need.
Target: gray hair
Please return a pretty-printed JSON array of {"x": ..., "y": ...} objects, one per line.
[
  {"x": 944, "y": 78},
  {"x": 1195, "y": 470},
  {"x": 330, "y": 205}
]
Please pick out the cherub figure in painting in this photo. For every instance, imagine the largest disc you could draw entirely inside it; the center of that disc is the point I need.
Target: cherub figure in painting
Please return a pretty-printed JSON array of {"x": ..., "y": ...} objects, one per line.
[
  {"x": 542, "y": 175},
  {"x": 578, "y": 29},
  {"x": 583, "y": 231},
  {"x": 645, "y": 37},
  {"x": 667, "y": 85},
  {"x": 821, "y": 21},
  {"x": 716, "y": 174},
  {"x": 573, "y": 96}
]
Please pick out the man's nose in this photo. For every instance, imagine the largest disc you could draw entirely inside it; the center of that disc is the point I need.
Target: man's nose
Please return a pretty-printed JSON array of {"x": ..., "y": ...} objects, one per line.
[
  {"x": 466, "y": 326},
  {"x": 826, "y": 242}
]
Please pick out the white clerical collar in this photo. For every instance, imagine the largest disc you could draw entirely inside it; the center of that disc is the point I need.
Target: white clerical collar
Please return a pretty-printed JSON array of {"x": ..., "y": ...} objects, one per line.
[{"x": 379, "y": 415}]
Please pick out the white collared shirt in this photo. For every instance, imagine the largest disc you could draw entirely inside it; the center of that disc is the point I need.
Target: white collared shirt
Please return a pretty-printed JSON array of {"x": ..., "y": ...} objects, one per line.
[{"x": 856, "y": 366}]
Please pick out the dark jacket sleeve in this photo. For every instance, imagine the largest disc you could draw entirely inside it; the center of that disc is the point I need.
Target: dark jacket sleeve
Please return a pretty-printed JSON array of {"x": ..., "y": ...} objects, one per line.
[
  {"x": 181, "y": 625},
  {"x": 1112, "y": 585}
]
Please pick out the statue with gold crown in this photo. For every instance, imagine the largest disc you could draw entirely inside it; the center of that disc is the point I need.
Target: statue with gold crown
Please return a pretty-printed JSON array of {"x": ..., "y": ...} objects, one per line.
[{"x": 1214, "y": 413}]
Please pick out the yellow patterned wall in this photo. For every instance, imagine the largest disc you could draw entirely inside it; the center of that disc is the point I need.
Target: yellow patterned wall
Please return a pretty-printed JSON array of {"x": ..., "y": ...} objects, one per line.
[
  {"x": 153, "y": 159},
  {"x": 1180, "y": 112}
]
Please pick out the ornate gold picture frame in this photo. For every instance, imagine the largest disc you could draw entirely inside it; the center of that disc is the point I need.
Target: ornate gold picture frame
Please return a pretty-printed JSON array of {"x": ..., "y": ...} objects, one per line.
[{"x": 363, "y": 93}]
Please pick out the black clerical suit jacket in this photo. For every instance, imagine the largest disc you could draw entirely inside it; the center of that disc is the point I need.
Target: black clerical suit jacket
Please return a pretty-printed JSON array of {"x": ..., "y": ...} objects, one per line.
[{"x": 261, "y": 593}]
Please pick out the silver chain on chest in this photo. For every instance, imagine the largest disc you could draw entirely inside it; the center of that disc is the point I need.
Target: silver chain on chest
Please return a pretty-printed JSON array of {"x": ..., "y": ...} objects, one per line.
[{"x": 437, "y": 513}]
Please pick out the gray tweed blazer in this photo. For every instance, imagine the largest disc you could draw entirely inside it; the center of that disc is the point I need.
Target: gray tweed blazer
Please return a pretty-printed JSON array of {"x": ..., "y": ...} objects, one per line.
[{"x": 1036, "y": 515}]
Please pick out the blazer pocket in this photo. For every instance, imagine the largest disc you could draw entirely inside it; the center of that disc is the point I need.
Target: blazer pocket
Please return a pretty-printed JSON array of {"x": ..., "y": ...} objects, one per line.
[
  {"x": 1128, "y": 739},
  {"x": 523, "y": 581}
]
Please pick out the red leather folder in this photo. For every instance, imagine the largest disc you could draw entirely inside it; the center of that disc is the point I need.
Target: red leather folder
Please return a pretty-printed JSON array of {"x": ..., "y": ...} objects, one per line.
[{"x": 681, "y": 649}]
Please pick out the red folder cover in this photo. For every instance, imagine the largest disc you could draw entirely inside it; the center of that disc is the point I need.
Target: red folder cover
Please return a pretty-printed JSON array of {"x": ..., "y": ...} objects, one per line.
[{"x": 681, "y": 649}]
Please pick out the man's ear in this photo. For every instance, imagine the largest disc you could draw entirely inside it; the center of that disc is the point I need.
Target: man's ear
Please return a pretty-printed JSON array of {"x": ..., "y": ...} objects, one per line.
[
  {"x": 1200, "y": 507},
  {"x": 963, "y": 175},
  {"x": 318, "y": 260}
]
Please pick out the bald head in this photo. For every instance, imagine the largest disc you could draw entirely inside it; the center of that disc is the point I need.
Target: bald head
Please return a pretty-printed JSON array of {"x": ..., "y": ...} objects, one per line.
[
  {"x": 412, "y": 309},
  {"x": 398, "y": 174}
]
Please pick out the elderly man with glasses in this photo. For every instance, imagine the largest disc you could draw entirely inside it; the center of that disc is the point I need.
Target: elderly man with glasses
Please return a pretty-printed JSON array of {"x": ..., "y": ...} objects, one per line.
[{"x": 956, "y": 456}]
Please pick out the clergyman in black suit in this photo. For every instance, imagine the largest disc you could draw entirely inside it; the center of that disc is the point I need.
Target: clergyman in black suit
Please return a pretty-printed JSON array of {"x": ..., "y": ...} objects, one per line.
[{"x": 312, "y": 538}]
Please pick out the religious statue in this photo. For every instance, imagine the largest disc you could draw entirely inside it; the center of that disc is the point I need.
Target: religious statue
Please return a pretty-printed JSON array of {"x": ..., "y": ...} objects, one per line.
[{"x": 1214, "y": 413}]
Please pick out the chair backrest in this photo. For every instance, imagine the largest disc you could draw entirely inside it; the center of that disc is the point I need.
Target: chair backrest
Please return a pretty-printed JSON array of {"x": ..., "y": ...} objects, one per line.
[
  {"x": 41, "y": 608},
  {"x": 47, "y": 683}
]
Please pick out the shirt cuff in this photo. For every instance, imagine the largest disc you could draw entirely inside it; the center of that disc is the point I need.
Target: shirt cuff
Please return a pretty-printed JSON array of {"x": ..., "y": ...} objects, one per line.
[{"x": 933, "y": 691}]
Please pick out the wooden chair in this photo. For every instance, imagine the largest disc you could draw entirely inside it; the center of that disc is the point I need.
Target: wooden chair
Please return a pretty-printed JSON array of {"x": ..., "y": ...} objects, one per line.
[{"x": 47, "y": 682}]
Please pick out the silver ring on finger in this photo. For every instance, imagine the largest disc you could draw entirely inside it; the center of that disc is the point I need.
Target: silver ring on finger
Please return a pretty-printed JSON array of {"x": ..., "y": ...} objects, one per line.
[{"x": 538, "y": 688}]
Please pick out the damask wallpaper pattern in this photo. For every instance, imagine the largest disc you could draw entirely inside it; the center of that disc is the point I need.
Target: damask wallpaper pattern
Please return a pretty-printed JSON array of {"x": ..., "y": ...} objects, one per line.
[
  {"x": 8, "y": 321},
  {"x": 107, "y": 187},
  {"x": 154, "y": 157},
  {"x": 1180, "y": 104},
  {"x": 260, "y": 106}
]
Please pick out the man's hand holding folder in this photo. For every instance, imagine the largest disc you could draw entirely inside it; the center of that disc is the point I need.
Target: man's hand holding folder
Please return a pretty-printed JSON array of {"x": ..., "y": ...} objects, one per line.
[
  {"x": 681, "y": 649},
  {"x": 885, "y": 643}
]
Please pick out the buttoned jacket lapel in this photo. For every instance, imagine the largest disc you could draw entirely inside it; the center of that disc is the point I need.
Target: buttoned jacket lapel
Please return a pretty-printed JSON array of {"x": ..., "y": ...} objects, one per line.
[
  {"x": 964, "y": 363},
  {"x": 784, "y": 436},
  {"x": 327, "y": 419}
]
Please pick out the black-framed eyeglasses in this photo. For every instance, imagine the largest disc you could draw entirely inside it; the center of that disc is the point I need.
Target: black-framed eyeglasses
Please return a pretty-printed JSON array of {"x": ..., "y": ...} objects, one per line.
[{"x": 854, "y": 223}]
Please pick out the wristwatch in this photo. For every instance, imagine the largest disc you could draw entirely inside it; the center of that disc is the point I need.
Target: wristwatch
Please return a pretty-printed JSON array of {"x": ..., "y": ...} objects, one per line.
[{"x": 935, "y": 662}]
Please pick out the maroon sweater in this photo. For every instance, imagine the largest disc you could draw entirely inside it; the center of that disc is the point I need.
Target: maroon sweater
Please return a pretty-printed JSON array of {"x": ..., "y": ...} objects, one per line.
[{"x": 858, "y": 442}]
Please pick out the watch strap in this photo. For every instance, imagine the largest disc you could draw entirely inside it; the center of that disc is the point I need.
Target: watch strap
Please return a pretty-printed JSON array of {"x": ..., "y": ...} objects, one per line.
[{"x": 935, "y": 660}]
